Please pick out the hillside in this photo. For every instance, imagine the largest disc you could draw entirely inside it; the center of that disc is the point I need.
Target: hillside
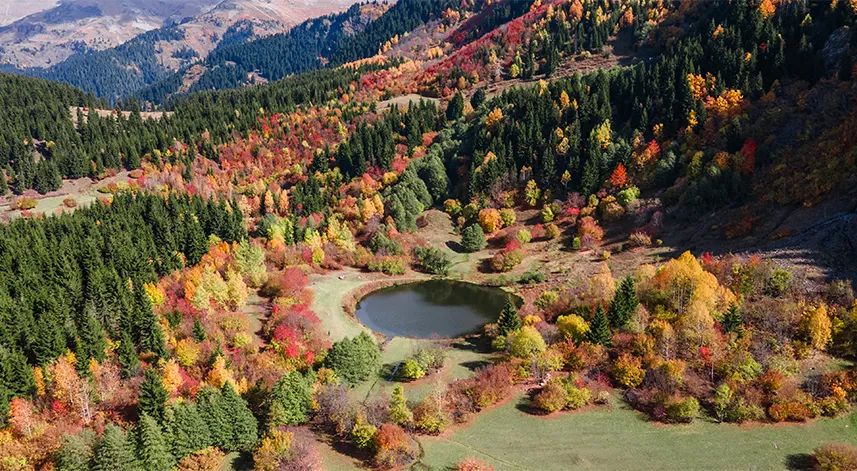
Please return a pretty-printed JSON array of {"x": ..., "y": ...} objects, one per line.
[{"x": 653, "y": 205}]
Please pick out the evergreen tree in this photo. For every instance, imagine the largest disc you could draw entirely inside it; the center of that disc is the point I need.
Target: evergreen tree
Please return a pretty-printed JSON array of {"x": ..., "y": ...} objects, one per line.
[
  {"x": 153, "y": 396},
  {"x": 76, "y": 452},
  {"x": 151, "y": 334},
  {"x": 198, "y": 330},
  {"x": 113, "y": 452},
  {"x": 209, "y": 403},
  {"x": 400, "y": 414},
  {"x": 92, "y": 343},
  {"x": 243, "y": 425},
  {"x": 478, "y": 98},
  {"x": 152, "y": 451},
  {"x": 732, "y": 320},
  {"x": 290, "y": 400},
  {"x": 455, "y": 109},
  {"x": 188, "y": 431},
  {"x": 5, "y": 397},
  {"x": 624, "y": 304},
  {"x": 354, "y": 360},
  {"x": 128, "y": 359},
  {"x": 473, "y": 238},
  {"x": 599, "y": 328},
  {"x": 509, "y": 320}
]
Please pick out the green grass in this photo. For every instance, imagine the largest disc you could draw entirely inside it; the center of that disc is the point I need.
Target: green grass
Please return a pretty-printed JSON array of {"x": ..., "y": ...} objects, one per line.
[
  {"x": 328, "y": 292},
  {"x": 620, "y": 439}
]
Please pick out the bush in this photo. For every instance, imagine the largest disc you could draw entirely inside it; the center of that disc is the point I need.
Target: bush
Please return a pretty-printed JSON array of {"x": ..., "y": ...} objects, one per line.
[
  {"x": 628, "y": 196},
  {"x": 452, "y": 207},
  {"x": 411, "y": 369},
  {"x": 576, "y": 243},
  {"x": 363, "y": 434},
  {"x": 531, "y": 277},
  {"x": 547, "y": 299},
  {"x": 506, "y": 260},
  {"x": 392, "y": 447},
  {"x": 507, "y": 215},
  {"x": 552, "y": 231},
  {"x": 778, "y": 282},
  {"x": 432, "y": 260},
  {"x": 576, "y": 397},
  {"x": 473, "y": 238},
  {"x": 551, "y": 398},
  {"x": 429, "y": 416},
  {"x": 472, "y": 464},
  {"x": 527, "y": 342},
  {"x": 69, "y": 202},
  {"x": 208, "y": 459},
  {"x": 573, "y": 327},
  {"x": 524, "y": 236},
  {"x": 387, "y": 265},
  {"x": 682, "y": 410},
  {"x": 547, "y": 214},
  {"x": 423, "y": 361},
  {"x": 490, "y": 220},
  {"x": 383, "y": 245},
  {"x": 628, "y": 371},
  {"x": 24, "y": 203},
  {"x": 354, "y": 360},
  {"x": 835, "y": 457},
  {"x": 640, "y": 239}
]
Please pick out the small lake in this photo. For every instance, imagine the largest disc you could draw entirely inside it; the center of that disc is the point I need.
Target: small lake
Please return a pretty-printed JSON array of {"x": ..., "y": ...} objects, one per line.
[{"x": 432, "y": 308}]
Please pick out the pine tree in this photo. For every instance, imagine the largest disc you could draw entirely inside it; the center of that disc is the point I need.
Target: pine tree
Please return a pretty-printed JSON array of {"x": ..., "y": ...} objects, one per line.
[
  {"x": 151, "y": 334},
  {"x": 153, "y": 396},
  {"x": 509, "y": 320},
  {"x": 92, "y": 344},
  {"x": 732, "y": 320},
  {"x": 209, "y": 403},
  {"x": 188, "y": 432},
  {"x": 400, "y": 414},
  {"x": 198, "y": 330},
  {"x": 5, "y": 397},
  {"x": 473, "y": 238},
  {"x": 291, "y": 400},
  {"x": 152, "y": 451},
  {"x": 243, "y": 425},
  {"x": 599, "y": 328},
  {"x": 623, "y": 305},
  {"x": 76, "y": 452},
  {"x": 455, "y": 109},
  {"x": 128, "y": 359},
  {"x": 478, "y": 98},
  {"x": 113, "y": 452}
]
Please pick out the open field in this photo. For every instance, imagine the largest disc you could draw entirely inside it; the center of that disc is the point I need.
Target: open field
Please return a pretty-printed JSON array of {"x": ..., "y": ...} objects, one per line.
[{"x": 620, "y": 439}]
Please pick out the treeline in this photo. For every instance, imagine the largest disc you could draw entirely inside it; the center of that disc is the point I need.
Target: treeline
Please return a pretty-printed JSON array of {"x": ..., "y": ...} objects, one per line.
[
  {"x": 39, "y": 110},
  {"x": 73, "y": 281}
]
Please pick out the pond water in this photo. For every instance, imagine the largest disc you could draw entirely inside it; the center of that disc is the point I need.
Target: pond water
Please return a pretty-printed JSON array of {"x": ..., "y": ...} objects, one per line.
[{"x": 427, "y": 309}]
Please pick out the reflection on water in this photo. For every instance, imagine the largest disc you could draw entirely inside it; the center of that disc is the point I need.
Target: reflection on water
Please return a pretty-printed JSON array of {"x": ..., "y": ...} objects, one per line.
[{"x": 431, "y": 308}]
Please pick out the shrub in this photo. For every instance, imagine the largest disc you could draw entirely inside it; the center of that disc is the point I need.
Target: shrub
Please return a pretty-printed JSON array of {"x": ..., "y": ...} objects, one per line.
[
  {"x": 381, "y": 244},
  {"x": 452, "y": 207},
  {"x": 551, "y": 398},
  {"x": 628, "y": 371},
  {"x": 273, "y": 449},
  {"x": 547, "y": 299},
  {"x": 473, "y": 238},
  {"x": 490, "y": 220},
  {"x": 69, "y": 202},
  {"x": 24, "y": 203},
  {"x": 208, "y": 459},
  {"x": 392, "y": 447},
  {"x": 387, "y": 265},
  {"x": 628, "y": 196},
  {"x": 835, "y": 457},
  {"x": 778, "y": 282},
  {"x": 531, "y": 277},
  {"x": 527, "y": 342},
  {"x": 682, "y": 410},
  {"x": 573, "y": 327},
  {"x": 524, "y": 236},
  {"x": 547, "y": 214},
  {"x": 506, "y": 260},
  {"x": 552, "y": 231},
  {"x": 576, "y": 243},
  {"x": 433, "y": 260},
  {"x": 424, "y": 361},
  {"x": 576, "y": 397},
  {"x": 430, "y": 417},
  {"x": 640, "y": 239},
  {"x": 363, "y": 434},
  {"x": 411, "y": 369},
  {"x": 507, "y": 215},
  {"x": 472, "y": 464}
]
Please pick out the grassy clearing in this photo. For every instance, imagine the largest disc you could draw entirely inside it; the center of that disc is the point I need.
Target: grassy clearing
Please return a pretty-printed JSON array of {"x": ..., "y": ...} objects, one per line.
[
  {"x": 329, "y": 292},
  {"x": 620, "y": 439}
]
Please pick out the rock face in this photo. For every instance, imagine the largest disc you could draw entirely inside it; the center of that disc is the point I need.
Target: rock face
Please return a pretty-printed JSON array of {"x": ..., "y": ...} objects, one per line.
[
  {"x": 42, "y": 33},
  {"x": 836, "y": 45}
]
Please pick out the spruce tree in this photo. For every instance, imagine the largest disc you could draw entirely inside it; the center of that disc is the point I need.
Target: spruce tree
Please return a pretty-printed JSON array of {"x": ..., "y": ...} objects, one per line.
[
  {"x": 128, "y": 359},
  {"x": 478, "y": 98},
  {"x": 243, "y": 425},
  {"x": 599, "y": 328},
  {"x": 509, "y": 320},
  {"x": 152, "y": 451},
  {"x": 473, "y": 238},
  {"x": 455, "y": 109},
  {"x": 198, "y": 330},
  {"x": 76, "y": 452},
  {"x": 623, "y": 305},
  {"x": 92, "y": 343},
  {"x": 113, "y": 452},
  {"x": 732, "y": 320},
  {"x": 151, "y": 334},
  {"x": 291, "y": 400},
  {"x": 188, "y": 432},
  {"x": 5, "y": 397},
  {"x": 153, "y": 396},
  {"x": 209, "y": 403}
]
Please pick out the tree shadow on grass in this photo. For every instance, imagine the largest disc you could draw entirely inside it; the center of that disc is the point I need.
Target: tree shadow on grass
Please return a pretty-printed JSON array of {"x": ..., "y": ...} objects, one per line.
[
  {"x": 800, "y": 462},
  {"x": 456, "y": 247},
  {"x": 475, "y": 365},
  {"x": 390, "y": 371}
]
